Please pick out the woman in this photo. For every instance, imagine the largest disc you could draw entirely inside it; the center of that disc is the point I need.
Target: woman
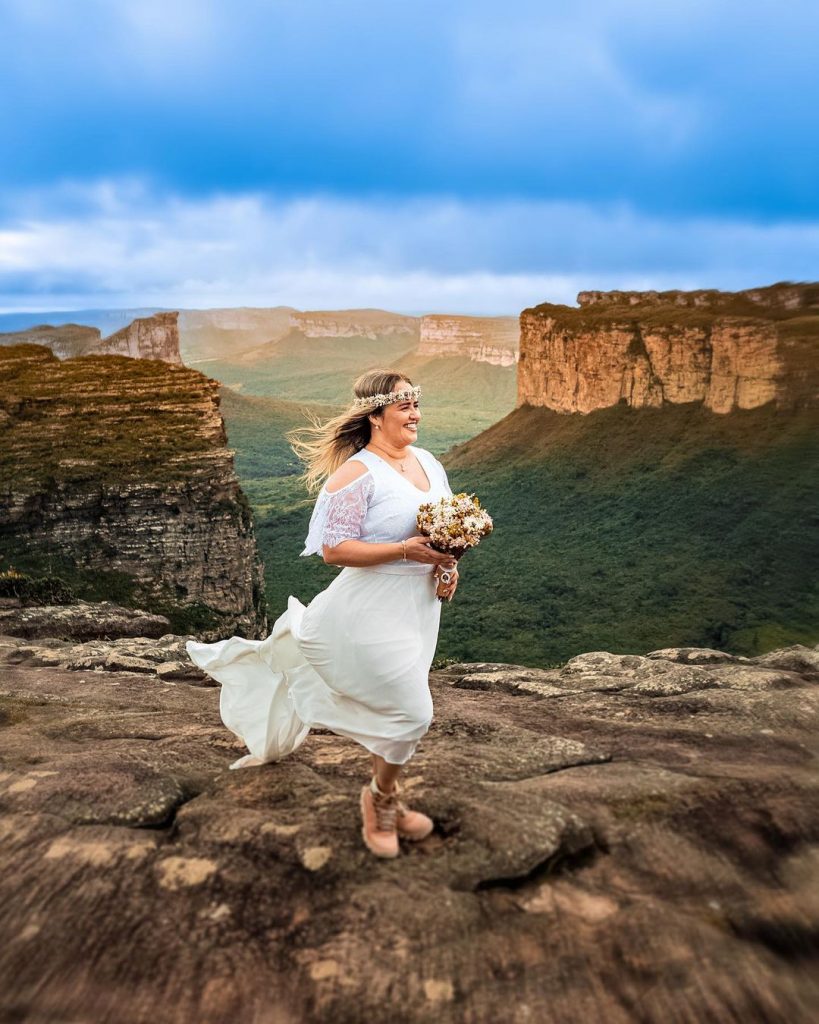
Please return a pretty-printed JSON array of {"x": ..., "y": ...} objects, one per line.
[{"x": 356, "y": 660}]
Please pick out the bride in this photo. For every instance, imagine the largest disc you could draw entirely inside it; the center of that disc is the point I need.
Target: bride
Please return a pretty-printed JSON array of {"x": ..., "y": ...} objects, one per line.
[{"x": 356, "y": 660}]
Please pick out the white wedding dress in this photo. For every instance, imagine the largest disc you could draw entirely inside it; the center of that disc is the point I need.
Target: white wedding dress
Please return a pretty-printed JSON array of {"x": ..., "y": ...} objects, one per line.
[{"x": 356, "y": 660}]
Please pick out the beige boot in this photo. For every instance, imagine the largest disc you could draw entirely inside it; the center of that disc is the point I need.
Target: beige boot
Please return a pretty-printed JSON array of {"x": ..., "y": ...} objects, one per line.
[
  {"x": 413, "y": 825},
  {"x": 378, "y": 815}
]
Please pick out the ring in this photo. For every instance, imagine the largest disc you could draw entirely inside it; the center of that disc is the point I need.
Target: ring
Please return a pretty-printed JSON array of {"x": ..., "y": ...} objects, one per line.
[{"x": 446, "y": 575}]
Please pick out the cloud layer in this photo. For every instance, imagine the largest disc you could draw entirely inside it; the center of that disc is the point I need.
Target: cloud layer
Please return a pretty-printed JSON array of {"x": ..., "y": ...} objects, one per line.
[
  {"x": 686, "y": 106},
  {"x": 467, "y": 155},
  {"x": 119, "y": 243}
]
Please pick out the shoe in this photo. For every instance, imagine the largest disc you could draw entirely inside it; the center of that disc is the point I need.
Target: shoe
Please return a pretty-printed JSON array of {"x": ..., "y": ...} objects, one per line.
[
  {"x": 412, "y": 825},
  {"x": 378, "y": 813}
]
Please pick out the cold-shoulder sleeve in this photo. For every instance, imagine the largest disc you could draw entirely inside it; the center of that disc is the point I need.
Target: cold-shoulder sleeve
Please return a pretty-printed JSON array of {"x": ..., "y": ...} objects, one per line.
[{"x": 339, "y": 515}]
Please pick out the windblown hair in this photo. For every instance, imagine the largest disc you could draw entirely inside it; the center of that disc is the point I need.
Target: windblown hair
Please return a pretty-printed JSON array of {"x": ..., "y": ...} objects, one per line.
[{"x": 324, "y": 446}]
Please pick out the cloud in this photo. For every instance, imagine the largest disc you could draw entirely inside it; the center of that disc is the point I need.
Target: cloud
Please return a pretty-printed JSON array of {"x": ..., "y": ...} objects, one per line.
[
  {"x": 680, "y": 107},
  {"x": 124, "y": 243}
]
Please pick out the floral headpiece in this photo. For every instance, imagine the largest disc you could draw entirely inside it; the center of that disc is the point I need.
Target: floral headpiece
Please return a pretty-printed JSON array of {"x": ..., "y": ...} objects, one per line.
[{"x": 374, "y": 401}]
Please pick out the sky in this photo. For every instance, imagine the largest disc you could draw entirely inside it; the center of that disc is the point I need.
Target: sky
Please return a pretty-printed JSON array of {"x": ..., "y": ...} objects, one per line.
[{"x": 462, "y": 156}]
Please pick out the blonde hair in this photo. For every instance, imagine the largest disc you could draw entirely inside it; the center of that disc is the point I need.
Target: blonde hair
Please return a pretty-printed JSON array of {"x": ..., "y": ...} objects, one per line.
[{"x": 324, "y": 446}]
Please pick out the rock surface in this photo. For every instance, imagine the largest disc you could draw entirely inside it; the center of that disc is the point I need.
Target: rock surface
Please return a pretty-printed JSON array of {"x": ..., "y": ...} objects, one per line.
[
  {"x": 83, "y": 620},
  {"x": 727, "y": 350},
  {"x": 637, "y": 840},
  {"x": 494, "y": 339},
  {"x": 119, "y": 468}
]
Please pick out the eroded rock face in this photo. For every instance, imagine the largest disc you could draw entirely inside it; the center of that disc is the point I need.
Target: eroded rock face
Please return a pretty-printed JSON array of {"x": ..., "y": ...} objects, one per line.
[
  {"x": 120, "y": 468},
  {"x": 492, "y": 340},
  {"x": 726, "y": 350},
  {"x": 150, "y": 337},
  {"x": 64, "y": 340},
  {"x": 602, "y": 851},
  {"x": 351, "y": 323}
]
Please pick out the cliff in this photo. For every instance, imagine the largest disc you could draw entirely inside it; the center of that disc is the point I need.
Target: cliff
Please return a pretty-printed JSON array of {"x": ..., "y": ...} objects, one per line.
[
  {"x": 151, "y": 337},
  {"x": 353, "y": 323},
  {"x": 210, "y": 334},
  {"x": 65, "y": 340},
  {"x": 727, "y": 350},
  {"x": 114, "y": 473},
  {"x": 492, "y": 340}
]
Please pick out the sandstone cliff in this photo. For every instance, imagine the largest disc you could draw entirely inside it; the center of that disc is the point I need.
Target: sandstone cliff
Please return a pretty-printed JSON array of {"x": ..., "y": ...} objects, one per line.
[
  {"x": 64, "y": 340},
  {"x": 210, "y": 334},
  {"x": 151, "y": 337},
  {"x": 726, "y": 350},
  {"x": 351, "y": 323},
  {"x": 115, "y": 471},
  {"x": 492, "y": 340}
]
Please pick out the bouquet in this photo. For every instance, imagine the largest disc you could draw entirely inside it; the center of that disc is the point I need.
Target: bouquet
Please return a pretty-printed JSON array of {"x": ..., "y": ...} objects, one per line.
[{"x": 453, "y": 525}]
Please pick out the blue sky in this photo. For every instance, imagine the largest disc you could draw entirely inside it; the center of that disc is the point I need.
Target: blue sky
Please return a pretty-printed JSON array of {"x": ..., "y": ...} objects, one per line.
[{"x": 461, "y": 156}]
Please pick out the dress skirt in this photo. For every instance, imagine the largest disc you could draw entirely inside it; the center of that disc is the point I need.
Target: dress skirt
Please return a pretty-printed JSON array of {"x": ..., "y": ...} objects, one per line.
[{"x": 356, "y": 661}]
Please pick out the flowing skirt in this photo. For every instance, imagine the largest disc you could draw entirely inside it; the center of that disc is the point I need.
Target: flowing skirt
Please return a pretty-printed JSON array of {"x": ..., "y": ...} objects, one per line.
[{"x": 356, "y": 661}]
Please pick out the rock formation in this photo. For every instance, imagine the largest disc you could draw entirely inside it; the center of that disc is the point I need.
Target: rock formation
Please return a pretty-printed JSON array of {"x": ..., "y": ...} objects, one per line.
[
  {"x": 491, "y": 339},
  {"x": 620, "y": 839},
  {"x": 66, "y": 340},
  {"x": 116, "y": 471},
  {"x": 152, "y": 337},
  {"x": 727, "y": 350},
  {"x": 211, "y": 334},
  {"x": 350, "y": 323}
]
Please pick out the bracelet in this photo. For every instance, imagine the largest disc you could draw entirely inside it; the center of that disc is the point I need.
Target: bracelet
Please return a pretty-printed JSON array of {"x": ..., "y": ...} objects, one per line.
[{"x": 404, "y": 549}]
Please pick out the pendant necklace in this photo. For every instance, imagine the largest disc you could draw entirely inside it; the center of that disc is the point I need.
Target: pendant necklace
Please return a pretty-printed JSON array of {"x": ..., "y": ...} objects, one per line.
[{"x": 399, "y": 461}]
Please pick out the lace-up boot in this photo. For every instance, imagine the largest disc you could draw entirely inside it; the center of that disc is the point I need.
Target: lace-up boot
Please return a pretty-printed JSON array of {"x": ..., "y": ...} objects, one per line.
[
  {"x": 378, "y": 813},
  {"x": 409, "y": 824}
]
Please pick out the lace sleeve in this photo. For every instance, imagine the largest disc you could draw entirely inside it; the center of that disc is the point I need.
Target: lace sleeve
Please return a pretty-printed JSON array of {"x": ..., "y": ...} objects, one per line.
[{"x": 339, "y": 515}]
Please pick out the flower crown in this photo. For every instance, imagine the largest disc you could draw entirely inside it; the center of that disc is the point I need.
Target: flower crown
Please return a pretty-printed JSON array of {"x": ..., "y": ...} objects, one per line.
[{"x": 408, "y": 394}]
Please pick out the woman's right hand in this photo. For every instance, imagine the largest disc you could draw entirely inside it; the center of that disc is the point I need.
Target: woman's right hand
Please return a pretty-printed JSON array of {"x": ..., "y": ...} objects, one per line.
[{"x": 419, "y": 550}]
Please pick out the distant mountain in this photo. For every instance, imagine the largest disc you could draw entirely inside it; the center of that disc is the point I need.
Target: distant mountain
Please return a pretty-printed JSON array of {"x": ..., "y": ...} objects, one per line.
[
  {"x": 209, "y": 334},
  {"x": 151, "y": 337}
]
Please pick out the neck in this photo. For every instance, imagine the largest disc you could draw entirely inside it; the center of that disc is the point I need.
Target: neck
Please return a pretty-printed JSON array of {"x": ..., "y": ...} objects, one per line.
[{"x": 395, "y": 450}]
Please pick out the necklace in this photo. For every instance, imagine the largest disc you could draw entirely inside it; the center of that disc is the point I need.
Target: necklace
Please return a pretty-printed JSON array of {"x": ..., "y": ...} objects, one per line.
[{"x": 399, "y": 461}]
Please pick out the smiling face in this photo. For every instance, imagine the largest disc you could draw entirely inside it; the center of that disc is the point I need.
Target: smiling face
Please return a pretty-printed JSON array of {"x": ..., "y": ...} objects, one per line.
[{"x": 398, "y": 421}]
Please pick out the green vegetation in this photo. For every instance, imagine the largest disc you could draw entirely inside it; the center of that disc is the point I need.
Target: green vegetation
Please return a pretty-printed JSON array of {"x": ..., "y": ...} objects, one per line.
[
  {"x": 34, "y": 589},
  {"x": 460, "y": 398},
  {"x": 146, "y": 419},
  {"x": 625, "y": 530}
]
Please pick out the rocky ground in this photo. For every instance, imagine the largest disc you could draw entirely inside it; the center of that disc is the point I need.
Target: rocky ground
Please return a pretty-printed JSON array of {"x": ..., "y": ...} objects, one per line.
[{"x": 625, "y": 839}]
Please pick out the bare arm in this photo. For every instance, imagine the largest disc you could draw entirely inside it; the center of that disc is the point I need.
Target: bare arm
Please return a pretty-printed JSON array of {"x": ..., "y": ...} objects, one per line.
[{"x": 362, "y": 552}]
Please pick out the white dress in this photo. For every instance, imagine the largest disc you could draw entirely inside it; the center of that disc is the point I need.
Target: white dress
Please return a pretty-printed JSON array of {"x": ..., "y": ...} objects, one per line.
[{"x": 356, "y": 660}]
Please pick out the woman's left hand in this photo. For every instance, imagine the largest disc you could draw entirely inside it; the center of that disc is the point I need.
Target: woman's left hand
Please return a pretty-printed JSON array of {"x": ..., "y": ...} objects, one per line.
[{"x": 446, "y": 590}]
